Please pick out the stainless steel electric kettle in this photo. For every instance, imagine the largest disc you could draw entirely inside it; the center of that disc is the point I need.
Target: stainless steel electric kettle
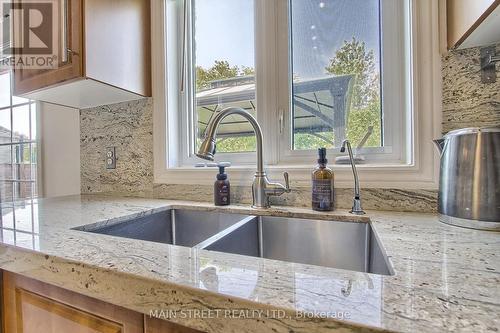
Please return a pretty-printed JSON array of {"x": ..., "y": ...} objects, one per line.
[{"x": 469, "y": 180}]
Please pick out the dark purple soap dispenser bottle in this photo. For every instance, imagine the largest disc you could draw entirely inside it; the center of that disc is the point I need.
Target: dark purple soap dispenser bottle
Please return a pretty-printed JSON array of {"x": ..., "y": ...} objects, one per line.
[{"x": 221, "y": 188}]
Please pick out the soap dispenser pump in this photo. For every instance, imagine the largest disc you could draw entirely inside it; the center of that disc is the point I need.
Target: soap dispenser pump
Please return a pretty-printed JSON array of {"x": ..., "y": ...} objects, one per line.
[
  {"x": 322, "y": 184},
  {"x": 221, "y": 188}
]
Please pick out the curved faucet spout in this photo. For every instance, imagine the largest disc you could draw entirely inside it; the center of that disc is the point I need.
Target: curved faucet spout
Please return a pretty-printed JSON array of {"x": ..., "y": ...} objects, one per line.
[
  {"x": 207, "y": 148},
  {"x": 356, "y": 206}
]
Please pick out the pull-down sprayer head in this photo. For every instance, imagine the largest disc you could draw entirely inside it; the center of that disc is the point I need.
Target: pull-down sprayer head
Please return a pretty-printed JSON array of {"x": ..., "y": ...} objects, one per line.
[
  {"x": 207, "y": 149},
  {"x": 344, "y": 144}
]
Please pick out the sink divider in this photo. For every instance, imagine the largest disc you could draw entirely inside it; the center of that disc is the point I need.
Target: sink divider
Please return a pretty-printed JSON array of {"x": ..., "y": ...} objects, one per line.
[
  {"x": 260, "y": 235},
  {"x": 209, "y": 241},
  {"x": 172, "y": 225},
  {"x": 368, "y": 251}
]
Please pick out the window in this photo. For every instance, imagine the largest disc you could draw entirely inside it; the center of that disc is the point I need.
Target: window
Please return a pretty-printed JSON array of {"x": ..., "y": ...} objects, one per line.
[
  {"x": 312, "y": 72},
  {"x": 18, "y": 167},
  {"x": 394, "y": 137},
  {"x": 18, "y": 158},
  {"x": 224, "y": 69},
  {"x": 335, "y": 51}
]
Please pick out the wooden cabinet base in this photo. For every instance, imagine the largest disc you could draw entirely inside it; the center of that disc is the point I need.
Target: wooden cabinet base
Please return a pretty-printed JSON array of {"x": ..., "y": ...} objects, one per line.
[
  {"x": 153, "y": 325},
  {"x": 30, "y": 306}
]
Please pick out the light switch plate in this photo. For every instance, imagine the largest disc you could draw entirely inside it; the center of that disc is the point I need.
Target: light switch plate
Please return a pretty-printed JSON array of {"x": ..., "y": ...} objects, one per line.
[{"x": 111, "y": 158}]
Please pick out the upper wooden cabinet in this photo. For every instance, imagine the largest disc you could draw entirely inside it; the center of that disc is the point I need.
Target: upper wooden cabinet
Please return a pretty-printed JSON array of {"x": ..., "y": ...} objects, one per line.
[
  {"x": 103, "y": 55},
  {"x": 472, "y": 23}
]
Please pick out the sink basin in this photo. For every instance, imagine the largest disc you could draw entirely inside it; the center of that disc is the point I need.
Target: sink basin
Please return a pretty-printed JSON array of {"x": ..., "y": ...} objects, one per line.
[
  {"x": 345, "y": 245},
  {"x": 173, "y": 226}
]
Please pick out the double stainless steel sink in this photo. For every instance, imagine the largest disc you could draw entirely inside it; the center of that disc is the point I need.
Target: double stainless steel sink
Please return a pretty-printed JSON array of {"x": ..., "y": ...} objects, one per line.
[{"x": 338, "y": 244}]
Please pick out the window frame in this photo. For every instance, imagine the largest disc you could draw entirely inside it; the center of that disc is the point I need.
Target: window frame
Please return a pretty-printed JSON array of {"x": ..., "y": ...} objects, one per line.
[
  {"x": 273, "y": 60},
  {"x": 395, "y": 126},
  {"x": 14, "y": 151},
  {"x": 424, "y": 98},
  {"x": 186, "y": 95}
]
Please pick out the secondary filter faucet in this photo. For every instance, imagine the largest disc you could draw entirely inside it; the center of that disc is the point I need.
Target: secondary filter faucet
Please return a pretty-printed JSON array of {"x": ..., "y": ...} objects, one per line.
[
  {"x": 356, "y": 204},
  {"x": 262, "y": 188}
]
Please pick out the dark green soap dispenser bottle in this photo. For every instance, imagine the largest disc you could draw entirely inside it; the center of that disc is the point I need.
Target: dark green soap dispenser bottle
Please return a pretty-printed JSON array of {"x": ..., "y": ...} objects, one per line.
[
  {"x": 322, "y": 184},
  {"x": 221, "y": 188}
]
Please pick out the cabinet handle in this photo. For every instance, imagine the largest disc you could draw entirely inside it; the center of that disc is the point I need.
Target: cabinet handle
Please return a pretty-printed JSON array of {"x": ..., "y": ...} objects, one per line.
[
  {"x": 184, "y": 45},
  {"x": 287, "y": 182},
  {"x": 64, "y": 32},
  {"x": 281, "y": 122}
]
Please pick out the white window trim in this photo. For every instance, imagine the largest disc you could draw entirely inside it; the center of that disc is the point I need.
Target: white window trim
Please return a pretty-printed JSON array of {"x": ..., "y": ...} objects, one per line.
[
  {"x": 422, "y": 173},
  {"x": 37, "y": 183}
]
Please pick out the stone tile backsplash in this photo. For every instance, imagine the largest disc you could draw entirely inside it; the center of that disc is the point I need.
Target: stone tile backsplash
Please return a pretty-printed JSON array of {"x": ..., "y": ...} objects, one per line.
[
  {"x": 467, "y": 102},
  {"x": 129, "y": 127}
]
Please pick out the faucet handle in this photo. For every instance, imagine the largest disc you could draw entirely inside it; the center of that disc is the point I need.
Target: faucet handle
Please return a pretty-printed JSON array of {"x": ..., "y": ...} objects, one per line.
[{"x": 287, "y": 182}]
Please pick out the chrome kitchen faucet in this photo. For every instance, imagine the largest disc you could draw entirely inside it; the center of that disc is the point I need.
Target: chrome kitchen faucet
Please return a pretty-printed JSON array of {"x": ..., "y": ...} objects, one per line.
[
  {"x": 356, "y": 204},
  {"x": 262, "y": 188}
]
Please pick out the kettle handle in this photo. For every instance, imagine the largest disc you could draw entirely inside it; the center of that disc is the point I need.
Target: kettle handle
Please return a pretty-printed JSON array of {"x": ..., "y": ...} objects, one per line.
[{"x": 440, "y": 145}]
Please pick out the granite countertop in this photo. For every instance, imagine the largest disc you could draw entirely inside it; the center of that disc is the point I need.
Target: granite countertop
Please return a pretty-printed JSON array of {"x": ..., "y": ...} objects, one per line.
[{"x": 446, "y": 278}]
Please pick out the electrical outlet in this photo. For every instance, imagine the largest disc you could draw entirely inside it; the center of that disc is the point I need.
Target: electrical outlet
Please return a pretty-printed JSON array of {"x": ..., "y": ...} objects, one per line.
[
  {"x": 488, "y": 60},
  {"x": 111, "y": 158}
]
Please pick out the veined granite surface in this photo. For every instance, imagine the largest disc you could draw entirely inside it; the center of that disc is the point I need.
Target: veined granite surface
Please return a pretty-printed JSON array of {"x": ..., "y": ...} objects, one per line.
[
  {"x": 373, "y": 198},
  {"x": 128, "y": 127},
  {"x": 467, "y": 102},
  {"x": 446, "y": 278}
]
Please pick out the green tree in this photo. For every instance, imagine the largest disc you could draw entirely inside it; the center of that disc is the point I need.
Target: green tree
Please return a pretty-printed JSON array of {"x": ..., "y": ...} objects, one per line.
[
  {"x": 359, "y": 122},
  {"x": 247, "y": 70},
  {"x": 353, "y": 58},
  {"x": 234, "y": 144},
  {"x": 219, "y": 71}
]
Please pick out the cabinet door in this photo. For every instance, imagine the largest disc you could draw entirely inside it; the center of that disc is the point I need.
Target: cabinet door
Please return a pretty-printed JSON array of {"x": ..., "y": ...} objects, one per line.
[
  {"x": 464, "y": 16},
  {"x": 69, "y": 39},
  {"x": 31, "y": 306},
  {"x": 154, "y": 325}
]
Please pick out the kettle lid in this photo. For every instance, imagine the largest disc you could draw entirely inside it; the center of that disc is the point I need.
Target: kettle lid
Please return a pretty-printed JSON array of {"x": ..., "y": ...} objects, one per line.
[{"x": 471, "y": 130}]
